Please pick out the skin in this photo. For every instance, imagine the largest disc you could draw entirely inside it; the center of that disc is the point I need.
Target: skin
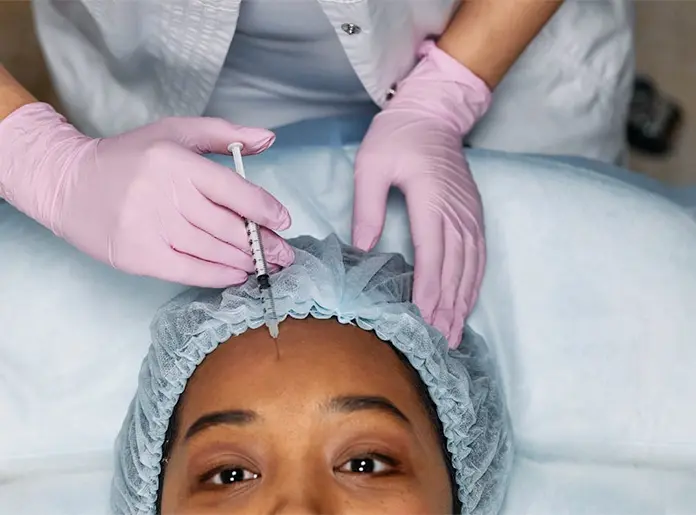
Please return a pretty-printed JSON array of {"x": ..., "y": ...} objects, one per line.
[
  {"x": 488, "y": 36},
  {"x": 12, "y": 94},
  {"x": 302, "y": 449}
]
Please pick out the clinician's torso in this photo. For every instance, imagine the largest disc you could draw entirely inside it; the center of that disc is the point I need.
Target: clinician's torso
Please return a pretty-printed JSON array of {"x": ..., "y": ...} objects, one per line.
[
  {"x": 119, "y": 65},
  {"x": 286, "y": 64}
]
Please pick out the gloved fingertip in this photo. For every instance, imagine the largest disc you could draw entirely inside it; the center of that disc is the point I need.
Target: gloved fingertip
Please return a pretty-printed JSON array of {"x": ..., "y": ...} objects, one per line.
[
  {"x": 284, "y": 220},
  {"x": 276, "y": 216},
  {"x": 426, "y": 306},
  {"x": 443, "y": 320},
  {"x": 278, "y": 251},
  {"x": 428, "y": 314},
  {"x": 455, "y": 338},
  {"x": 285, "y": 257},
  {"x": 261, "y": 144},
  {"x": 441, "y": 326},
  {"x": 234, "y": 278},
  {"x": 364, "y": 239}
]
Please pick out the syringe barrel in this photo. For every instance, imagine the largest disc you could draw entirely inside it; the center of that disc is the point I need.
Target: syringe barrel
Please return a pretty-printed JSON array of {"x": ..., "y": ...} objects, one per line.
[
  {"x": 256, "y": 248},
  {"x": 264, "y": 281}
]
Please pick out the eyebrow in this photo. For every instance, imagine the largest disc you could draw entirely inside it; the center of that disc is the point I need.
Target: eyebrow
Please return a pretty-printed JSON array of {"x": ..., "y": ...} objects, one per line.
[
  {"x": 219, "y": 418},
  {"x": 354, "y": 403},
  {"x": 343, "y": 404}
]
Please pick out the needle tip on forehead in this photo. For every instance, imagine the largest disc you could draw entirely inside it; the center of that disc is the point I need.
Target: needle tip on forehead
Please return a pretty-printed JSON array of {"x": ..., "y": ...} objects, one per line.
[{"x": 273, "y": 329}]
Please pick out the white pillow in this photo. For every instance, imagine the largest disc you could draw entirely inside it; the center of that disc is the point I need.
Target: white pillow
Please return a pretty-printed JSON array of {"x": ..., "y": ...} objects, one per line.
[
  {"x": 588, "y": 300},
  {"x": 73, "y": 333}
]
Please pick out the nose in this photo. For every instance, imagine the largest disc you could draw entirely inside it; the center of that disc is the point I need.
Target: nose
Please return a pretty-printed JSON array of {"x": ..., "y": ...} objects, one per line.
[
  {"x": 297, "y": 508},
  {"x": 307, "y": 501},
  {"x": 302, "y": 492}
]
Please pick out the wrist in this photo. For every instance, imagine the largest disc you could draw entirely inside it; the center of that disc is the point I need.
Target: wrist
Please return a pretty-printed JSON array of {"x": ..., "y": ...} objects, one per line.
[
  {"x": 37, "y": 147},
  {"x": 12, "y": 94},
  {"x": 442, "y": 86}
]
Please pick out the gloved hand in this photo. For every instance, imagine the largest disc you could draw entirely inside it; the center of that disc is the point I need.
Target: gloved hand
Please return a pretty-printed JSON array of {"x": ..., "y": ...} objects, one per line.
[
  {"x": 415, "y": 144},
  {"x": 146, "y": 202}
]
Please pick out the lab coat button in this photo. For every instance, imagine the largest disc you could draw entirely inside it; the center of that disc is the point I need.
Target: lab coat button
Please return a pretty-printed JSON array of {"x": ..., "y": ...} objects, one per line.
[
  {"x": 391, "y": 92},
  {"x": 351, "y": 29}
]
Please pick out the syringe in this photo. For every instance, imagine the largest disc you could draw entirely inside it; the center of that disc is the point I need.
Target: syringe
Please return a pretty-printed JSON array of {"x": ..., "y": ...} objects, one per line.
[{"x": 269, "y": 312}]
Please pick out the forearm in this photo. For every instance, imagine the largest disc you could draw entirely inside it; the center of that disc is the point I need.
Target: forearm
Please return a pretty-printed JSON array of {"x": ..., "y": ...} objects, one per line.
[
  {"x": 487, "y": 36},
  {"x": 12, "y": 94}
]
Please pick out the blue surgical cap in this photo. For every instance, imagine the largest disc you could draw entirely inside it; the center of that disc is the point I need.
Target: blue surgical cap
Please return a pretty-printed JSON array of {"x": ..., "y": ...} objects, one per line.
[{"x": 328, "y": 279}]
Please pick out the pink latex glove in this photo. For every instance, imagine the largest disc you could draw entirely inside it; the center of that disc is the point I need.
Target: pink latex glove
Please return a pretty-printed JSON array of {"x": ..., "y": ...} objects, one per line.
[
  {"x": 415, "y": 144},
  {"x": 146, "y": 202}
]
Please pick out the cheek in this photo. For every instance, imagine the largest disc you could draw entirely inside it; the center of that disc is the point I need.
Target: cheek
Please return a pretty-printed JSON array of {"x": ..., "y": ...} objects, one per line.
[
  {"x": 174, "y": 490},
  {"x": 440, "y": 492},
  {"x": 171, "y": 495},
  {"x": 402, "y": 505},
  {"x": 409, "y": 501}
]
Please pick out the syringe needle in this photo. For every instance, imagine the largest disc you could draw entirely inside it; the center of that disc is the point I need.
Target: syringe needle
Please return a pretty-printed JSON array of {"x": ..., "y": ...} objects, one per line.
[
  {"x": 257, "y": 252},
  {"x": 273, "y": 329}
]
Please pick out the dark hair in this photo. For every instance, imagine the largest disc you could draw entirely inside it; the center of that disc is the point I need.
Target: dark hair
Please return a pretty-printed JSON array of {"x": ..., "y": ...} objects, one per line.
[
  {"x": 423, "y": 395},
  {"x": 431, "y": 409}
]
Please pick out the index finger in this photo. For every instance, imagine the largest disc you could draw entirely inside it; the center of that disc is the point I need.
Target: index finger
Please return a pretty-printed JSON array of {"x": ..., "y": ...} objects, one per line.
[{"x": 226, "y": 188}]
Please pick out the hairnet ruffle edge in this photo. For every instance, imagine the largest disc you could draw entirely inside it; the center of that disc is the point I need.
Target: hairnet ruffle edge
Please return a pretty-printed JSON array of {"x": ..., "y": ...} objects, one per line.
[{"x": 464, "y": 390}]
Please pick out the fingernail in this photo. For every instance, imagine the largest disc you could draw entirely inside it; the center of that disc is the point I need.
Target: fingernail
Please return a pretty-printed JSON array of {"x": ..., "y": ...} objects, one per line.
[
  {"x": 442, "y": 327},
  {"x": 443, "y": 320},
  {"x": 284, "y": 221},
  {"x": 425, "y": 307},
  {"x": 285, "y": 256},
  {"x": 428, "y": 316},
  {"x": 456, "y": 340},
  {"x": 262, "y": 144},
  {"x": 364, "y": 241},
  {"x": 237, "y": 278},
  {"x": 280, "y": 253}
]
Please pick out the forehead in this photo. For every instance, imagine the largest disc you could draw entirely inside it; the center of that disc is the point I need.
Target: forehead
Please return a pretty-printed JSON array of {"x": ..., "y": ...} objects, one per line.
[{"x": 314, "y": 359}]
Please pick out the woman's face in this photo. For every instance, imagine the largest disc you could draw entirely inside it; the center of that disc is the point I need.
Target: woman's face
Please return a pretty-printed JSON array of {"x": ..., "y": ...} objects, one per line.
[{"x": 333, "y": 424}]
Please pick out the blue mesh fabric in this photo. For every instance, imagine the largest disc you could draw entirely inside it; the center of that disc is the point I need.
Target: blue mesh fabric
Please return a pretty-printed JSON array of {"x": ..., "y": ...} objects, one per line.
[{"x": 328, "y": 279}]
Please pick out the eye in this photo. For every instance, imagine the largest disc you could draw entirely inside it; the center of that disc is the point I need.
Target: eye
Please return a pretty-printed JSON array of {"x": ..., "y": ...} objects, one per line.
[
  {"x": 371, "y": 464},
  {"x": 230, "y": 476}
]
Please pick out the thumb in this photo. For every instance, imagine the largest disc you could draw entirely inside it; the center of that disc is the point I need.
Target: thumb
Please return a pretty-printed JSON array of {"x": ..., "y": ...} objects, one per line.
[
  {"x": 214, "y": 135},
  {"x": 369, "y": 207}
]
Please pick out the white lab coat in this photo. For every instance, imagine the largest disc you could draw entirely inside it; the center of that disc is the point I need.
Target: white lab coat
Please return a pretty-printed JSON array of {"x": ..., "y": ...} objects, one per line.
[{"x": 121, "y": 64}]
